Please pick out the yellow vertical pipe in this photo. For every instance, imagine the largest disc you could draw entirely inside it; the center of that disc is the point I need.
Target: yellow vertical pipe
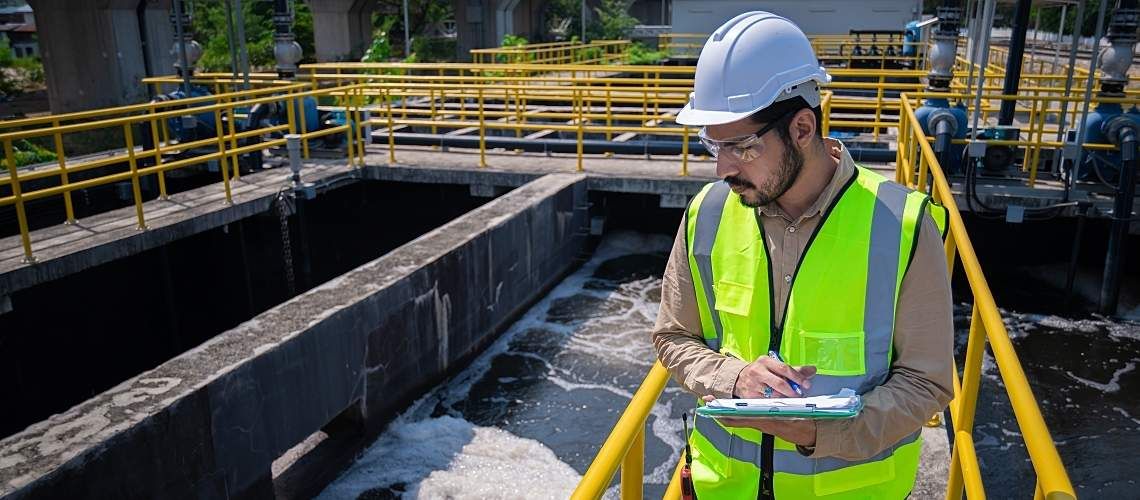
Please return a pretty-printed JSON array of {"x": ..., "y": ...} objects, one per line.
[
  {"x": 968, "y": 398},
  {"x": 291, "y": 118},
  {"x": 134, "y": 166},
  {"x": 609, "y": 113},
  {"x": 21, "y": 217},
  {"x": 632, "y": 468},
  {"x": 61, "y": 157},
  {"x": 951, "y": 252}
]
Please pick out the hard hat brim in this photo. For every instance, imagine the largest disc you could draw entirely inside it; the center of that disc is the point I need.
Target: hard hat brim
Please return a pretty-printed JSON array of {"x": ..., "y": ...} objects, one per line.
[{"x": 700, "y": 118}]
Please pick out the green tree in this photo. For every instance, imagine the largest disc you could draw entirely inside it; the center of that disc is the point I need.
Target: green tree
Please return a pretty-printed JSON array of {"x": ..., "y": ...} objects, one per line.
[
  {"x": 1051, "y": 17},
  {"x": 210, "y": 26},
  {"x": 613, "y": 21}
]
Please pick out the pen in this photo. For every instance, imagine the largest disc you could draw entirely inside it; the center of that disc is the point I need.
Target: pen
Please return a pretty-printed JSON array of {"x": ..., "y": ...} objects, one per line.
[{"x": 795, "y": 387}]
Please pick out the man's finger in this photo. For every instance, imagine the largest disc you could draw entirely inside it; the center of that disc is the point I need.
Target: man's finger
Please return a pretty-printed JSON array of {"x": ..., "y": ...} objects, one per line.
[
  {"x": 783, "y": 370},
  {"x": 779, "y": 386}
]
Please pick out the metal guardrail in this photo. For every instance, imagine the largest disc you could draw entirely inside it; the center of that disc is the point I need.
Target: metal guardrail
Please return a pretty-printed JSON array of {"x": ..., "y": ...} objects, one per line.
[
  {"x": 593, "y": 52},
  {"x": 831, "y": 50},
  {"x": 917, "y": 168},
  {"x": 985, "y": 324},
  {"x": 224, "y": 146}
]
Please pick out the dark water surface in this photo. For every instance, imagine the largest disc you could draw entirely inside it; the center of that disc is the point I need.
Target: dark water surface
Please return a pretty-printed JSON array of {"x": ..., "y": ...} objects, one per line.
[{"x": 526, "y": 418}]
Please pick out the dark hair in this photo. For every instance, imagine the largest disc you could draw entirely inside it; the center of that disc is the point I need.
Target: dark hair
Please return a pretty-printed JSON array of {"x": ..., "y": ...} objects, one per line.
[{"x": 787, "y": 109}]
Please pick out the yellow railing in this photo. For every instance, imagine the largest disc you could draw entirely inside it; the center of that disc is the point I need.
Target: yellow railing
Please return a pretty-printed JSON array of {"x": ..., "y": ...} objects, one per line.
[
  {"x": 915, "y": 153},
  {"x": 223, "y": 147},
  {"x": 594, "y": 52},
  {"x": 918, "y": 168},
  {"x": 832, "y": 50}
]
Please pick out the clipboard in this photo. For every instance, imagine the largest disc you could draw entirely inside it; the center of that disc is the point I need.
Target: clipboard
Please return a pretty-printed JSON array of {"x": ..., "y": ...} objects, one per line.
[{"x": 845, "y": 404}]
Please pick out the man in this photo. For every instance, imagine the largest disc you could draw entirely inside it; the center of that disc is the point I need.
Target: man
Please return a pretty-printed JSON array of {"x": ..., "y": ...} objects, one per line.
[{"x": 801, "y": 252}]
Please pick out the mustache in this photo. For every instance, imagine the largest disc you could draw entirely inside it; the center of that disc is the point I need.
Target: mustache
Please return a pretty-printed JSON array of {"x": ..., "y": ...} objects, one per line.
[{"x": 735, "y": 181}]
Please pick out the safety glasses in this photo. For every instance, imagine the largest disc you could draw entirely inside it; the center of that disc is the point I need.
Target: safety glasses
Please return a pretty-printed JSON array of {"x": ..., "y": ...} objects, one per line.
[{"x": 744, "y": 148}]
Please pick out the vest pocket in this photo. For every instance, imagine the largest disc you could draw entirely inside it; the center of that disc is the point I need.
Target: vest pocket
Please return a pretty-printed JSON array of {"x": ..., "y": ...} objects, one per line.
[
  {"x": 733, "y": 298},
  {"x": 832, "y": 353}
]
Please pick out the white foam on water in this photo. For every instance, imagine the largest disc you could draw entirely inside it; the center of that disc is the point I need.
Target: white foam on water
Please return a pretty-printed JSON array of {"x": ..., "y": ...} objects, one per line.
[
  {"x": 1121, "y": 411},
  {"x": 448, "y": 457},
  {"x": 1113, "y": 385}
]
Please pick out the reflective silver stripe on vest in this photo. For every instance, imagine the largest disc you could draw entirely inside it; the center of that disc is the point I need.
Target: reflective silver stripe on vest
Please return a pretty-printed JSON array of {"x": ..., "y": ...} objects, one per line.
[
  {"x": 708, "y": 220},
  {"x": 879, "y": 301},
  {"x": 727, "y": 444},
  {"x": 792, "y": 462}
]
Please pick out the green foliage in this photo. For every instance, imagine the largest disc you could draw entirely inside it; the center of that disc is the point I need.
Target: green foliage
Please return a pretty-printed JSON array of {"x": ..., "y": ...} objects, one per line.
[
  {"x": 381, "y": 48},
  {"x": 587, "y": 54},
  {"x": 1051, "y": 16},
  {"x": 210, "y": 25},
  {"x": 28, "y": 153},
  {"x": 433, "y": 49},
  {"x": 510, "y": 40},
  {"x": 18, "y": 74},
  {"x": 613, "y": 21},
  {"x": 639, "y": 54}
]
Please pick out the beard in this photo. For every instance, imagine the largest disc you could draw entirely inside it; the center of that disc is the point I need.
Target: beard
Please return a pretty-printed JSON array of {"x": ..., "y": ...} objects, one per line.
[{"x": 783, "y": 176}]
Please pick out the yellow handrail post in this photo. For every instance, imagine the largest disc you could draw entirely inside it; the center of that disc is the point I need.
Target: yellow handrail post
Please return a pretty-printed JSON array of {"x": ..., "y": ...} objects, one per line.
[
  {"x": 632, "y": 468},
  {"x": 482, "y": 132},
  {"x": 60, "y": 156},
  {"x": 134, "y": 166},
  {"x": 581, "y": 130},
  {"x": 21, "y": 217},
  {"x": 154, "y": 126},
  {"x": 304, "y": 129},
  {"x": 222, "y": 156},
  {"x": 685, "y": 151},
  {"x": 391, "y": 125},
  {"x": 362, "y": 143},
  {"x": 878, "y": 106},
  {"x": 230, "y": 112},
  {"x": 347, "y": 101}
]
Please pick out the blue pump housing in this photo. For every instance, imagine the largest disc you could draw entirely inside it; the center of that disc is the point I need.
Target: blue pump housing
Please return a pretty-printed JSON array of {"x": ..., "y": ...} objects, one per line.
[
  {"x": 1106, "y": 163},
  {"x": 952, "y": 162},
  {"x": 912, "y": 35},
  {"x": 204, "y": 126}
]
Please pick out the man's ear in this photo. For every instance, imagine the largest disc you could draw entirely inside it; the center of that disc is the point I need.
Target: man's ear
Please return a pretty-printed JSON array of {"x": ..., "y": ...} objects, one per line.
[{"x": 802, "y": 128}]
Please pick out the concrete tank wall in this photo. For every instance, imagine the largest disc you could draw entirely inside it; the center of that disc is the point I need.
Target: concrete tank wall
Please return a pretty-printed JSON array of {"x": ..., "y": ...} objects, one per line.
[{"x": 210, "y": 422}]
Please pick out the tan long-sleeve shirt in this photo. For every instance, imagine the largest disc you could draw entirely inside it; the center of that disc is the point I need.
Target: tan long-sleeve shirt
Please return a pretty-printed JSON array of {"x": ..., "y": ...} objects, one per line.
[{"x": 919, "y": 384}]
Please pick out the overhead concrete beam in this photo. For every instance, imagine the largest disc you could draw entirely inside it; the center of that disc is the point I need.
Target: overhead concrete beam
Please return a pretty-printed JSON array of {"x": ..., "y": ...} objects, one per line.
[
  {"x": 342, "y": 28},
  {"x": 93, "y": 52}
]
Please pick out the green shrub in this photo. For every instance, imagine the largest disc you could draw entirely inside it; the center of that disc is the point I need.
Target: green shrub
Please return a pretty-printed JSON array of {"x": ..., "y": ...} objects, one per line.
[
  {"x": 639, "y": 54},
  {"x": 613, "y": 21},
  {"x": 433, "y": 49},
  {"x": 28, "y": 153}
]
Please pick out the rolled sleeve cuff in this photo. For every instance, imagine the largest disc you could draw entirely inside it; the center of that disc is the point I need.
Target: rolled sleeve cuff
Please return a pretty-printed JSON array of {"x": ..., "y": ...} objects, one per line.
[
  {"x": 828, "y": 437},
  {"x": 725, "y": 379}
]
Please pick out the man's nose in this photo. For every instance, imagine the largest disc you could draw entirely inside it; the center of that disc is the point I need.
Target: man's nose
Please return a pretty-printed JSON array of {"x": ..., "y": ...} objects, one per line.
[{"x": 725, "y": 166}]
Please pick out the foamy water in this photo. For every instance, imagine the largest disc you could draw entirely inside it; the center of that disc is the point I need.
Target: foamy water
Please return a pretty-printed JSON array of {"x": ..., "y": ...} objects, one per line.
[
  {"x": 1083, "y": 374},
  {"x": 526, "y": 417}
]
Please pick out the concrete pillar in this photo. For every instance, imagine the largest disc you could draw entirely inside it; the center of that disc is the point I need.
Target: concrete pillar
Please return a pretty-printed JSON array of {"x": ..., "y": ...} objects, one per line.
[
  {"x": 342, "y": 28},
  {"x": 93, "y": 51},
  {"x": 475, "y": 24}
]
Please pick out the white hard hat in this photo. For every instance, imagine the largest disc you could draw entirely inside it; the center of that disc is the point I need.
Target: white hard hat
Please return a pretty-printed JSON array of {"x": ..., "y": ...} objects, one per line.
[{"x": 750, "y": 62}]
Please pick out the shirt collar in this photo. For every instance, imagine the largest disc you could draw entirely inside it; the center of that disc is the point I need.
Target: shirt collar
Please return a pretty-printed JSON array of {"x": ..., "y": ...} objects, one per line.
[{"x": 842, "y": 173}]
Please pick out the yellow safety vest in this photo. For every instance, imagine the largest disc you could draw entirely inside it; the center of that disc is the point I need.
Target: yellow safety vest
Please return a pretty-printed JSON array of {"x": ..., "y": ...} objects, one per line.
[{"x": 839, "y": 317}]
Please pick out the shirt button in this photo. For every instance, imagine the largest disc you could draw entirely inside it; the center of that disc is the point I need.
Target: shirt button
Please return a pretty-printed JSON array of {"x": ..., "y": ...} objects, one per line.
[
  {"x": 791, "y": 229},
  {"x": 787, "y": 278}
]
